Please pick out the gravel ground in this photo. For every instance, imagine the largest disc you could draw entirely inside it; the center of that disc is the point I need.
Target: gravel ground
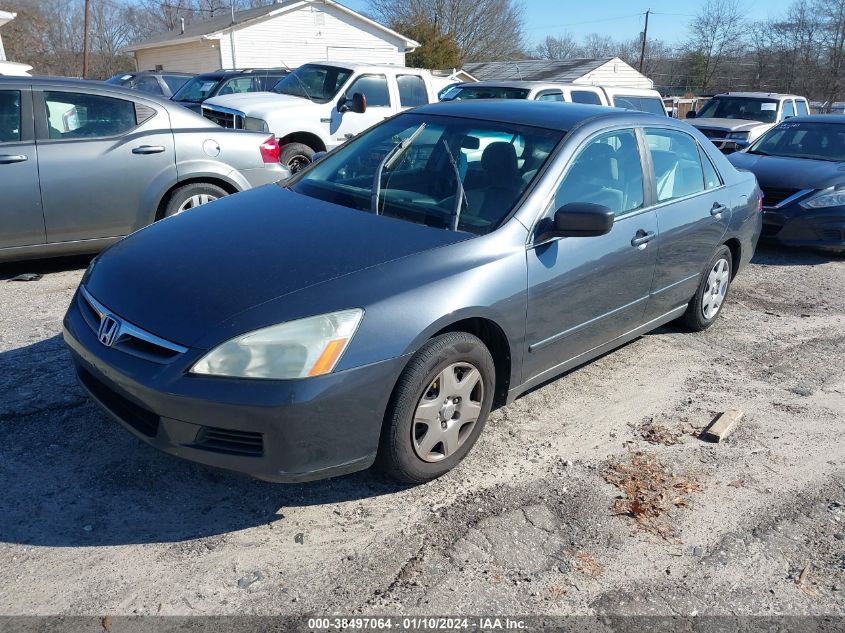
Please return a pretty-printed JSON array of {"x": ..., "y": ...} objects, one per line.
[{"x": 93, "y": 521}]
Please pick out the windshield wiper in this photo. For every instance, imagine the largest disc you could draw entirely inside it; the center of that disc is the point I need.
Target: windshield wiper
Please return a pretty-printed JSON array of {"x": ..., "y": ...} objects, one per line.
[
  {"x": 388, "y": 161},
  {"x": 460, "y": 194}
]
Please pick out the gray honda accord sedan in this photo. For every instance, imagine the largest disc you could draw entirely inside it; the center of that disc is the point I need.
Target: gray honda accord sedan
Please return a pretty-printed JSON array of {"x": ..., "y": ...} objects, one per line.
[{"x": 376, "y": 306}]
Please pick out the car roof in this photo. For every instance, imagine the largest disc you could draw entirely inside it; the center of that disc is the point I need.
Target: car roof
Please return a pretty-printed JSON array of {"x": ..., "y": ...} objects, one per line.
[
  {"x": 818, "y": 118},
  {"x": 759, "y": 95},
  {"x": 353, "y": 66},
  {"x": 219, "y": 74},
  {"x": 86, "y": 85},
  {"x": 544, "y": 114},
  {"x": 509, "y": 84}
]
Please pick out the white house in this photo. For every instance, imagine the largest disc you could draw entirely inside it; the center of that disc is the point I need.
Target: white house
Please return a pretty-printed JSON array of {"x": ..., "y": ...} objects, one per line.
[
  {"x": 606, "y": 71},
  {"x": 287, "y": 33},
  {"x": 7, "y": 67}
]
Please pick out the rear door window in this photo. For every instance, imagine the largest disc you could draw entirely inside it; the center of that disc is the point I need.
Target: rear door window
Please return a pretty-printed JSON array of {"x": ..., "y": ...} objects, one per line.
[
  {"x": 374, "y": 89},
  {"x": 677, "y": 164},
  {"x": 802, "y": 107},
  {"x": 550, "y": 95},
  {"x": 72, "y": 115},
  {"x": 412, "y": 91},
  {"x": 585, "y": 96},
  {"x": 10, "y": 116}
]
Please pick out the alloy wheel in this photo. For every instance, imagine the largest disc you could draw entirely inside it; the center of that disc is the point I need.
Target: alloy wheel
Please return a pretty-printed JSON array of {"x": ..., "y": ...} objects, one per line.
[
  {"x": 447, "y": 412},
  {"x": 195, "y": 201},
  {"x": 716, "y": 289}
]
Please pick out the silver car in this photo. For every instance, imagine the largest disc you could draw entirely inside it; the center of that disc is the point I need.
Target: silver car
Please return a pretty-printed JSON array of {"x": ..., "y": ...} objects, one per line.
[{"x": 82, "y": 164}]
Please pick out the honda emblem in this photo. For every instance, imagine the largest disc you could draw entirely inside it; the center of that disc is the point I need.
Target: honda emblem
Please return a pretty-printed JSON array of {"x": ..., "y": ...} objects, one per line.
[{"x": 109, "y": 330}]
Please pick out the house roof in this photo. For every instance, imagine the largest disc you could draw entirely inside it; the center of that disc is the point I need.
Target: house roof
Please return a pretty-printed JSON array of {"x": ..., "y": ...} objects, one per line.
[
  {"x": 6, "y": 16},
  {"x": 558, "y": 71},
  {"x": 207, "y": 29}
]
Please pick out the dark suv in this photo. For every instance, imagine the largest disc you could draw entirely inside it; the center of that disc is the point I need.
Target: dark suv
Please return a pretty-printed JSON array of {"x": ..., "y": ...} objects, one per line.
[
  {"x": 225, "y": 82},
  {"x": 156, "y": 82}
]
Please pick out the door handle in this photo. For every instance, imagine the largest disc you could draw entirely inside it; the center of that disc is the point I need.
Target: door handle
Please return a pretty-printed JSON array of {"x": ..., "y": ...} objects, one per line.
[
  {"x": 642, "y": 238},
  {"x": 6, "y": 159},
  {"x": 717, "y": 209},
  {"x": 148, "y": 149}
]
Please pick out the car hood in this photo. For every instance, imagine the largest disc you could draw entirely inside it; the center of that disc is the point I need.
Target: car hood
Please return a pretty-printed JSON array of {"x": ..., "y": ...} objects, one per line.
[
  {"x": 180, "y": 277},
  {"x": 258, "y": 104},
  {"x": 731, "y": 125},
  {"x": 790, "y": 173}
]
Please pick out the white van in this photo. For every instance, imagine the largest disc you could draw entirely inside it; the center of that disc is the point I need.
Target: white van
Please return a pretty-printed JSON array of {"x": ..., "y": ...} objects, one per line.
[{"x": 620, "y": 97}]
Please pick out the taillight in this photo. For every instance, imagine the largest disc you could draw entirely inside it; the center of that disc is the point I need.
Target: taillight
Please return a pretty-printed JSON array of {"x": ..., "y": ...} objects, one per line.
[{"x": 270, "y": 150}]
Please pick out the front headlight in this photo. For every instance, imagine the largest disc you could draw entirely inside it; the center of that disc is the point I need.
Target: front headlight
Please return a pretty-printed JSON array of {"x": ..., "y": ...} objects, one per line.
[
  {"x": 256, "y": 125},
  {"x": 738, "y": 136},
  {"x": 296, "y": 349},
  {"x": 825, "y": 198}
]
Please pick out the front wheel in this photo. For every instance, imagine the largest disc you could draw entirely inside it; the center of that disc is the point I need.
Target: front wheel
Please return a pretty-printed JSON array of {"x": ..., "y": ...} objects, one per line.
[
  {"x": 438, "y": 408},
  {"x": 712, "y": 291}
]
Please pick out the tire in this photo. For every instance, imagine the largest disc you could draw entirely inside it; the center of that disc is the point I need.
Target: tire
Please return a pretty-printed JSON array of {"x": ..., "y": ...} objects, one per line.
[
  {"x": 712, "y": 292},
  {"x": 191, "y": 196},
  {"x": 412, "y": 451},
  {"x": 295, "y": 156}
]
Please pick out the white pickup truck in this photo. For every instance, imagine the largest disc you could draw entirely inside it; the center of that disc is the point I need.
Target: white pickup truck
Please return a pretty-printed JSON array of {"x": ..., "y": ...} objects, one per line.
[
  {"x": 322, "y": 104},
  {"x": 643, "y": 99}
]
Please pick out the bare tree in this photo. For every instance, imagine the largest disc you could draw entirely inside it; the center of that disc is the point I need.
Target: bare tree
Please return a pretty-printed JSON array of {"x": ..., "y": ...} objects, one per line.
[
  {"x": 560, "y": 47},
  {"x": 716, "y": 35},
  {"x": 483, "y": 29}
]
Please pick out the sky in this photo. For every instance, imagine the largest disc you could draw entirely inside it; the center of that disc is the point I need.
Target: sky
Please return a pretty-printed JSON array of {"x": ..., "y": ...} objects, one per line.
[{"x": 620, "y": 19}]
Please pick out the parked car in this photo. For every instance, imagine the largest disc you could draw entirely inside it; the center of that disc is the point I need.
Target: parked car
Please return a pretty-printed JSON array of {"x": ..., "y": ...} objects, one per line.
[
  {"x": 155, "y": 82},
  {"x": 226, "y": 82},
  {"x": 799, "y": 165},
  {"x": 84, "y": 163},
  {"x": 626, "y": 98},
  {"x": 321, "y": 105},
  {"x": 734, "y": 119},
  {"x": 14, "y": 69},
  {"x": 380, "y": 302}
]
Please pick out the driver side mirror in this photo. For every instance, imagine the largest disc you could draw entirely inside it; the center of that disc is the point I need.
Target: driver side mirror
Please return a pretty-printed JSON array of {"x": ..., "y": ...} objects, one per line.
[
  {"x": 578, "y": 219},
  {"x": 357, "y": 104},
  {"x": 691, "y": 114}
]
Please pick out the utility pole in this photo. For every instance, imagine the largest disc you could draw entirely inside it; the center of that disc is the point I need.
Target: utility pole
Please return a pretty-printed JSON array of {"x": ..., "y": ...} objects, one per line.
[
  {"x": 645, "y": 37},
  {"x": 85, "y": 43}
]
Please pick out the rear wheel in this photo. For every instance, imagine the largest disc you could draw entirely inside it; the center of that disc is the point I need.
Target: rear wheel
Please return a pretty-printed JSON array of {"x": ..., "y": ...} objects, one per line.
[
  {"x": 295, "y": 156},
  {"x": 438, "y": 408},
  {"x": 191, "y": 196},
  {"x": 710, "y": 297}
]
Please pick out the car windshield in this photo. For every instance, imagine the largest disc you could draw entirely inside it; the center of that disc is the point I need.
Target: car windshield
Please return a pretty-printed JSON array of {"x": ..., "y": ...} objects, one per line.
[
  {"x": 451, "y": 173},
  {"x": 812, "y": 140},
  {"x": 197, "y": 89},
  {"x": 315, "y": 82},
  {"x": 746, "y": 108},
  {"x": 460, "y": 93}
]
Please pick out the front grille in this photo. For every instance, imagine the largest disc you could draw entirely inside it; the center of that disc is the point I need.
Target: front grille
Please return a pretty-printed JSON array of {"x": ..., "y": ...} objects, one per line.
[
  {"x": 136, "y": 416},
  {"x": 832, "y": 235},
  {"x": 773, "y": 196},
  {"x": 770, "y": 230},
  {"x": 223, "y": 119},
  {"x": 710, "y": 132},
  {"x": 131, "y": 339},
  {"x": 231, "y": 441}
]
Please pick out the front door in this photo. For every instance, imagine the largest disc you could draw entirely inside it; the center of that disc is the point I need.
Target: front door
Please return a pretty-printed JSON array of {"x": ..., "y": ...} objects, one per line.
[
  {"x": 102, "y": 160},
  {"x": 21, "y": 219},
  {"x": 345, "y": 125},
  {"x": 586, "y": 291},
  {"x": 693, "y": 211}
]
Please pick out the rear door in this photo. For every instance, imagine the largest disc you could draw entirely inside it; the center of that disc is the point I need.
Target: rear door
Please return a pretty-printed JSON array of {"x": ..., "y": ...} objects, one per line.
[
  {"x": 21, "y": 218},
  {"x": 693, "y": 209},
  {"x": 104, "y": 159}
]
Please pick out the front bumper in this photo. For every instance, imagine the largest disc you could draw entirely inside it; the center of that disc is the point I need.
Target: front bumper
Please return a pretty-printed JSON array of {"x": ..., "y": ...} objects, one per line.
[
  {"x": 795, "y": 226},
  {"x": 280, "y": 431}
]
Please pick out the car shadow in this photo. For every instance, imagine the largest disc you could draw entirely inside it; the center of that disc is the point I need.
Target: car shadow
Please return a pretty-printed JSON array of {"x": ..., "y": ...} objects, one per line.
[
  {"x": 773, "y": 254},
  {"x": 44, "y": 266},
  {"x": 72, "y": 477}
]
